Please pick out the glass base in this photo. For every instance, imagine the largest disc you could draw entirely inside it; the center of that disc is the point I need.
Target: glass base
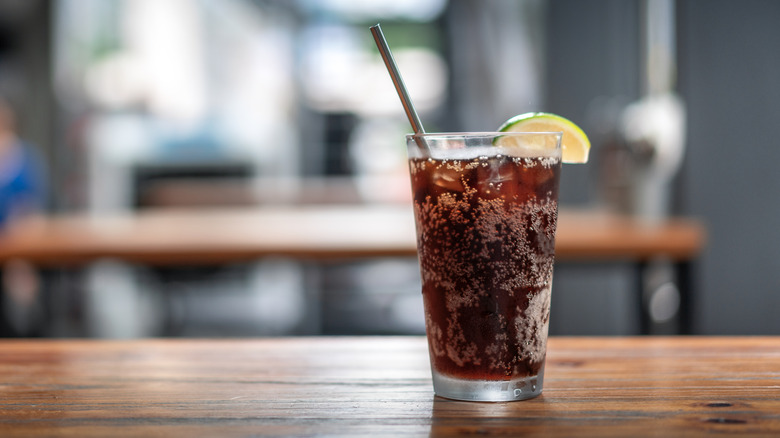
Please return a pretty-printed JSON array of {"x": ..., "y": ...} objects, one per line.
[{"x": 488, "y": 390}]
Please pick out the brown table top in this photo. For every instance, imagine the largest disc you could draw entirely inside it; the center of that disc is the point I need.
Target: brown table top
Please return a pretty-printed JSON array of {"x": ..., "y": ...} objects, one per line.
[
  {"x": 192, "y": 236},
  {"x": 641, "y": 386}
]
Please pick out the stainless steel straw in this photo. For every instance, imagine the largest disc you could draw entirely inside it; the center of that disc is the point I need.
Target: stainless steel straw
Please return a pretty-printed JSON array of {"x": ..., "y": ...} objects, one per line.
[{"x": 395, "y": 75}]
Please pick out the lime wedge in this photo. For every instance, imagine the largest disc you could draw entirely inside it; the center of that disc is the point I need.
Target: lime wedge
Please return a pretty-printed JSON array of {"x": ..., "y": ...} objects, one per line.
[{"x": 575, "y": 145}]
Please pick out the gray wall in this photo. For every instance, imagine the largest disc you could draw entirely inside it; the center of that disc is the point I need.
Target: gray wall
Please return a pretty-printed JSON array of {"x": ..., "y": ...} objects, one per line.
[
  {"x": 592, "y": 52},
  {"x": 729, "y": 76}
]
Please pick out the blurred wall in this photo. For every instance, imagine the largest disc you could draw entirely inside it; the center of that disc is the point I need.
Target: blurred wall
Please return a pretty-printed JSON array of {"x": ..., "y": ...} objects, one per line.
[
  {"x": 730, "y": 77},
  {"x": 592, "y": 55},
  {"x": 728, "y": 63}
]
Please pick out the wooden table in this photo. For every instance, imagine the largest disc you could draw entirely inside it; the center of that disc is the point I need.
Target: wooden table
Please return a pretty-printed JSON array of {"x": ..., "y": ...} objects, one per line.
[
  {"x": 192, "y": 236},
  {"x": 686, "y": 386},
  {"x": 175, "y": 237}
]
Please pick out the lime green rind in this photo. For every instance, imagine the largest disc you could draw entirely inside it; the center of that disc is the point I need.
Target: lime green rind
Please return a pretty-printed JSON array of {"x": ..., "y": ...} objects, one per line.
[
  {"x": 519, "y": 118},
  {"x": 542, "y": 115},
  {"x": 572, "y": 129}
]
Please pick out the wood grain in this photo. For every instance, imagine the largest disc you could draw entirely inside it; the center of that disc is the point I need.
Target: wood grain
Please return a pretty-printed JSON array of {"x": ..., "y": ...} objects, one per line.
[
  {"x": 689, "y": 386},
  {"x": 207, "y": 236}
]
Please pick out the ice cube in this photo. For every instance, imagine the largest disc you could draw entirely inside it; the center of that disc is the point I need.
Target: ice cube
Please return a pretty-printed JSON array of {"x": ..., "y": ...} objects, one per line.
[
  {"x": 448, "y": 178},
  {"x": 494, "y": 175}
]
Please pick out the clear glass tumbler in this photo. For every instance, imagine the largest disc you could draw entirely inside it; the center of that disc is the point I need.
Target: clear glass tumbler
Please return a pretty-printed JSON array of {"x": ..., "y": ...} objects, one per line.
[{"x": 486, "y": 209}]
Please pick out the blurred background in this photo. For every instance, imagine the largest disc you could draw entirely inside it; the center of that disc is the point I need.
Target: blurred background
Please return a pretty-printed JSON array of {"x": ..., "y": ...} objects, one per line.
[{"x": 129, "y": 105}]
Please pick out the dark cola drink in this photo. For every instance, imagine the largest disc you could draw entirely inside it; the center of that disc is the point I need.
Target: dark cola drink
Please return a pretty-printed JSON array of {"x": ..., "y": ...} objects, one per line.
[{"x": 486, "y": 236}]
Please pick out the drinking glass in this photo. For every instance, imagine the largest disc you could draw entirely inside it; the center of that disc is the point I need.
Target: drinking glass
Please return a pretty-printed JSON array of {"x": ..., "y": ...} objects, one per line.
[{"x": 486, "y": 208}]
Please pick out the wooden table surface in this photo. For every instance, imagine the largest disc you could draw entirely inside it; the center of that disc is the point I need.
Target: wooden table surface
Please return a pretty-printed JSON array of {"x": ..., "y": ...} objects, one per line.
[
  {"x": 623, "y": 387},
  {"x": 192, "y": 236}
]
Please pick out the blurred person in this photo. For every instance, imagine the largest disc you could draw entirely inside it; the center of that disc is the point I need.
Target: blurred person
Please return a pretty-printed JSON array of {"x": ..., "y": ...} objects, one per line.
[
  {"x": 21, "y": 194},
  {"x": 21, "y": 173}
]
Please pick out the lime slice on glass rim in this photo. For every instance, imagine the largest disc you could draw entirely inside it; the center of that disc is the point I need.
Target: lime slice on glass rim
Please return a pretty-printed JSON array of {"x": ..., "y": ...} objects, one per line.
[{"x": 575, "y": 145}]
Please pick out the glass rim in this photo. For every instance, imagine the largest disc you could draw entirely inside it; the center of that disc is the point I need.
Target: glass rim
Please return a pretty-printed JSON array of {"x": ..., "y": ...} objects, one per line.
[
  {"x": 479, "y": 134},
  {"x": 442, "y": 144}
]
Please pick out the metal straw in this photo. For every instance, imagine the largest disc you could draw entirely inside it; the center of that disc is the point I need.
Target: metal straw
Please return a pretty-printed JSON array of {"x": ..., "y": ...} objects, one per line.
[{"x": 395, "y": 75}]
